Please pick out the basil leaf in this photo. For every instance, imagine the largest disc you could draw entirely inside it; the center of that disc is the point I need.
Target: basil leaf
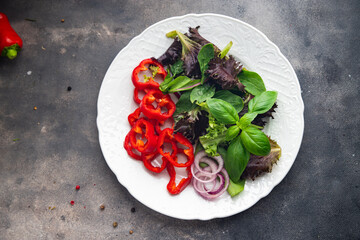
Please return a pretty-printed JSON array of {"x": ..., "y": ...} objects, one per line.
[
  {"x": 202, "y": 93},
  {"x": 263, "y": 102},
  {"x": 231, "y": 98},
  {"x": 246, "y": 119},
  {"x": 236, "y": 187},
  {"x": 177, "y": 67},
  {"x": 255, "y": 141},
  {"x": 252, "y": 81},
  {"x": 222, "y": 111},
  {"x": 184, "y": 104},
  {"x": 206, "y": 53},
  {"x": 232, "y": 132},
  {"x": 236, "y": 159},
  {"x": 222, "y": 152}
]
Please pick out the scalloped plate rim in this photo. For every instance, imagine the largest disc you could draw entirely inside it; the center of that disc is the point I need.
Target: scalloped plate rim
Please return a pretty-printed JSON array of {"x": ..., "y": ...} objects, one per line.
[{"x": 260, "y": 196}]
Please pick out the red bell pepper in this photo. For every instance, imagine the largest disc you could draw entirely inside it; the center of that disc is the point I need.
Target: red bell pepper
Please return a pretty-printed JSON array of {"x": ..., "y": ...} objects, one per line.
[
  {"x": 143, "y": 66},
  {"x": 146, "y": 129},
  {"x": 133, "y": 117},
  {"x": 172, "y": 187},
  {"x": 10, "y": 42},
  {"x": 163, "y": 102},
  {"x": 167, "y": 135},
  {"x": 158, "y": 125},
  {"x": 148, "y": 158},
  {"x": 188, "y": 151},
  {"x": 129, "y": 149},
  {"x": 136, "y": 94}
]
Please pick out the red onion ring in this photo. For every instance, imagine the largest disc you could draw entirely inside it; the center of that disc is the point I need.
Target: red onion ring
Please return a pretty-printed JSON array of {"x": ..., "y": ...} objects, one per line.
[
  {"x": 201, "y": 155},
  {"x": 209, "y": 174},
  {"x": 205, "y": 173},
  {"x": 201, "y": 183},
  {"x": 218, "y": 192}
]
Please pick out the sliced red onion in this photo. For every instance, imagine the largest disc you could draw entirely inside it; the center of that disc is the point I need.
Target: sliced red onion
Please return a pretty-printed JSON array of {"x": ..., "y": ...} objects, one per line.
[
  {"x": 209, "y": 175},
  {"x": 203, "y": 155},
  {"x": 219, "y": 191},
  {"x": 200, "y": 186}
]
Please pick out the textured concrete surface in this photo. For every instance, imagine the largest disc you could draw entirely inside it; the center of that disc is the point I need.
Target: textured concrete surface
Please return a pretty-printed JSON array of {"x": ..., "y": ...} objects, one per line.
[{"x": 57, "y": 146}]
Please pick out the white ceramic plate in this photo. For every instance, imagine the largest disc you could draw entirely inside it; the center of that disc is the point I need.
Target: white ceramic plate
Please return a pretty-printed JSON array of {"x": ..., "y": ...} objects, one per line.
[{"x": 115, "y": 103}]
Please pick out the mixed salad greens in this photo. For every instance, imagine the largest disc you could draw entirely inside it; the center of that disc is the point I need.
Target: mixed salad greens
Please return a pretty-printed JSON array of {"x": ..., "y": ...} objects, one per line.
[{"x": 222, "y": 108}]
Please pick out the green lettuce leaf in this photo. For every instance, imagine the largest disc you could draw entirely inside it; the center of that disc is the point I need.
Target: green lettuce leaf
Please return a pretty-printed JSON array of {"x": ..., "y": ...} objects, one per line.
[{"x": 216, "y": 134}]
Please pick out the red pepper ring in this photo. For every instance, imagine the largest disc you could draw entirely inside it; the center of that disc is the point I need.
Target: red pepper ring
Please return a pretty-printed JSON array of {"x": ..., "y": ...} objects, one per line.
[
  {"x": 188, "y": 152},
  {"x": 162, "y": 100},
  {"x": 147, "y": 133},
  {"x": 142, "y": 67},
  {"x": 133, "y": 117},
  {"x": 158, "y": 124},
  {"x": 136, "y": 94},
  {"x": 129, "y": 148},
  {"x": 166, "y": 137},
  {"x": 171, "y": 187},
  {"x": 149, "y": 157}
]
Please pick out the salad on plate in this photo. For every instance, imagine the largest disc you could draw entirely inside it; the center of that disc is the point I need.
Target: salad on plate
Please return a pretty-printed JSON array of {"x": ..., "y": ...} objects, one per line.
[{"x": 200, "y": 117}]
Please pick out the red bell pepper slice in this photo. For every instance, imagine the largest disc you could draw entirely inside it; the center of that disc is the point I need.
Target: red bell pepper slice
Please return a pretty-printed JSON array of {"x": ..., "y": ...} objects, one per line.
[
  {"x": 136, "y": 94},
  {"x": 162, "y": 100},
  {"x": 133, "y": 117},
  {"x": 148, "y": 158},
  {"x": 167, "y": 135},
  {"x": 159, "y": 124},
  {"x": 146, "y": 129},
  {"x": 143, "y": 66},
  {"x": 188, "y": 151},
  {"x": 172, "y": 187},
  {"x": 129, "y": 149}
]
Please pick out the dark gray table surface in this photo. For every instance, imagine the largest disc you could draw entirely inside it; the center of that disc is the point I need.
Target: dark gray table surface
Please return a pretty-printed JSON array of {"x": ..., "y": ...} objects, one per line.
[{"x": 57, "y": 145}]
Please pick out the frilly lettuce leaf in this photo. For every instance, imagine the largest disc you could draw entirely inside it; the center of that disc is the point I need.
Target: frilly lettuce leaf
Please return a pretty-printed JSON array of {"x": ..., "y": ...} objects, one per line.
[
  {"x": 259, "y": 165},
  {"x": 216, "y": 134}
]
